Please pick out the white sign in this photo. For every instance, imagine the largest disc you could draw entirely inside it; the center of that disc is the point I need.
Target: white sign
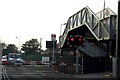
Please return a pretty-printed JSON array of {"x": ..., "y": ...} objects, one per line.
[
  {"x": 45, "y": 59},
  {"x": 53, "y": 37}
]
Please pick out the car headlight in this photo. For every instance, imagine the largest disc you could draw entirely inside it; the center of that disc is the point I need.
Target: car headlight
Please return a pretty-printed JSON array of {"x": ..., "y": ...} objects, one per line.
[{"x": 10, "y": 59}]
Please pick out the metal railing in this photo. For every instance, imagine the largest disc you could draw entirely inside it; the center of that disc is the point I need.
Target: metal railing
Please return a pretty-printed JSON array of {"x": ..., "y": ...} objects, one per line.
[{"x": 92, "y": 50}]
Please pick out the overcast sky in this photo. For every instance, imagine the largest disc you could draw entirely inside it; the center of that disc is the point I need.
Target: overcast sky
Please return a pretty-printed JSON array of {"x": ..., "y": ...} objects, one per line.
[{"x": 29, "y": 19}]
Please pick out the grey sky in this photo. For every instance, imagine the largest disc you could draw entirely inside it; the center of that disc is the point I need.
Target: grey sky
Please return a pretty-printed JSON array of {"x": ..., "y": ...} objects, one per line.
[{"x": 40, "y": 18}]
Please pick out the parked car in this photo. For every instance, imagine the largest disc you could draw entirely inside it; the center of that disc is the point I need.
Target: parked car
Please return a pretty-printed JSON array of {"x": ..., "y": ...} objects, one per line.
[
  {"x": 15, "y": 59},
  {"x": 4, "y": 60}
]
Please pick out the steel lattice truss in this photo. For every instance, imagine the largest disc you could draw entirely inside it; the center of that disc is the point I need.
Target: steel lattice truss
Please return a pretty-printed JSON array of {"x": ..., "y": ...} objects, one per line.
[{"x": 102, "y": 25}]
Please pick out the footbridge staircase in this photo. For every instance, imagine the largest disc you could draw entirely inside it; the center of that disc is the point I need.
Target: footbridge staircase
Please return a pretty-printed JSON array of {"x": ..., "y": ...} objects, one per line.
[{"x": 101, "y": 25}]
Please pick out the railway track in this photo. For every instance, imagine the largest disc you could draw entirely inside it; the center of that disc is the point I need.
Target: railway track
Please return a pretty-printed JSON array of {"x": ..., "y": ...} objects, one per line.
[{"x": 4, "y": 74}]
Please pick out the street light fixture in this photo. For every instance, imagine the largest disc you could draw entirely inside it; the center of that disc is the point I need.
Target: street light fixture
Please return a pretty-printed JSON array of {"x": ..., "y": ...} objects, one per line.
[
  {"x": 61, "y": 31},
  {"x": 61, "y": 27}
]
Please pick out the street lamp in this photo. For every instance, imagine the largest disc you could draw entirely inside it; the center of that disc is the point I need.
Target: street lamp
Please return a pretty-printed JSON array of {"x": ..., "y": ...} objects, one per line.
[
  {"x": 61, "y": 31},
  {"x": 19, "y": 42},
  {"x": 61, "y": 27}
]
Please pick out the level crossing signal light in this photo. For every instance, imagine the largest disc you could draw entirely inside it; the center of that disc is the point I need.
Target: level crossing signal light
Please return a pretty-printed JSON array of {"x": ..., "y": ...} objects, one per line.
[
  {"x": 79, "y": 40},
  {"x": 75, "y": 41}
]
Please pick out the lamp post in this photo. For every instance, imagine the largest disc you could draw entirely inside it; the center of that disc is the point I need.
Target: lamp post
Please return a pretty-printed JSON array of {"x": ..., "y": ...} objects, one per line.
[
  {"x": 19, "y": 42},
  {"x": 61, "y": 51},
  {"x": 61, "y": 32},
  {"x": 61, "y": 27}
]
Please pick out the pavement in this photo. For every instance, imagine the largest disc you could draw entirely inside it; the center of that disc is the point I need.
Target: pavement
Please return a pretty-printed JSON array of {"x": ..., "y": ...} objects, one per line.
[
  {"x": 95, "y": 75},
  {"x": 102, "y": 75}
]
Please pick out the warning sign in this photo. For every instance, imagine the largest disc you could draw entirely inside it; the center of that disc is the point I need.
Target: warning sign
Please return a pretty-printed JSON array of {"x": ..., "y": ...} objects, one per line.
[{"x": 53, "y": 37}]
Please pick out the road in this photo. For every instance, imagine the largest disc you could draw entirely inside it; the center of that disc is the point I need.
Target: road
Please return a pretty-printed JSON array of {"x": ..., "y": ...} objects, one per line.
[
  {"x": 29, "y": 72},
  {"x": 0, "y": 71},
  {"x": 42, "y": 72}
]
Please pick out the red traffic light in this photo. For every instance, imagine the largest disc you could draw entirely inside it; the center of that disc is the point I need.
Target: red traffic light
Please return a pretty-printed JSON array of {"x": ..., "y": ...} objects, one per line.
[
  {"x": 75, "y": 41},
  {"x": 79, "y": 39},
  {"x": 72, "y": 39}
]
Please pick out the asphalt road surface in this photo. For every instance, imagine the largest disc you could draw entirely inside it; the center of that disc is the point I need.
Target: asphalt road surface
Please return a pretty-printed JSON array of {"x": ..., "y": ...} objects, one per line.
[
  {"x": 42, "y": 72},
  {"x": 0, "y": 71},
  {"x": 32, "y": 73}
]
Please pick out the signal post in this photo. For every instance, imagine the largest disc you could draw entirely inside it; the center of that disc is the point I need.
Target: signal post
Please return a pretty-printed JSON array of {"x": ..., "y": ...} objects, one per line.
[
  {"x": 75, "y": 41},
  {"x": 53, "y": 38}
]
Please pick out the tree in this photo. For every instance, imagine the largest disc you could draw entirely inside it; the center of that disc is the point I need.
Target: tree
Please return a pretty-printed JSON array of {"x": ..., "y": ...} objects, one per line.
[
  {"x": 3, "y": 45},
  {"x": 11, "y": 48},
  {"x": 30, "y": 47}
]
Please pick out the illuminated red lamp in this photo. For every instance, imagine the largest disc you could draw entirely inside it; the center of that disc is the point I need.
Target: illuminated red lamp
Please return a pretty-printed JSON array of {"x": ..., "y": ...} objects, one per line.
[{"x": 72, "y": 39}]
